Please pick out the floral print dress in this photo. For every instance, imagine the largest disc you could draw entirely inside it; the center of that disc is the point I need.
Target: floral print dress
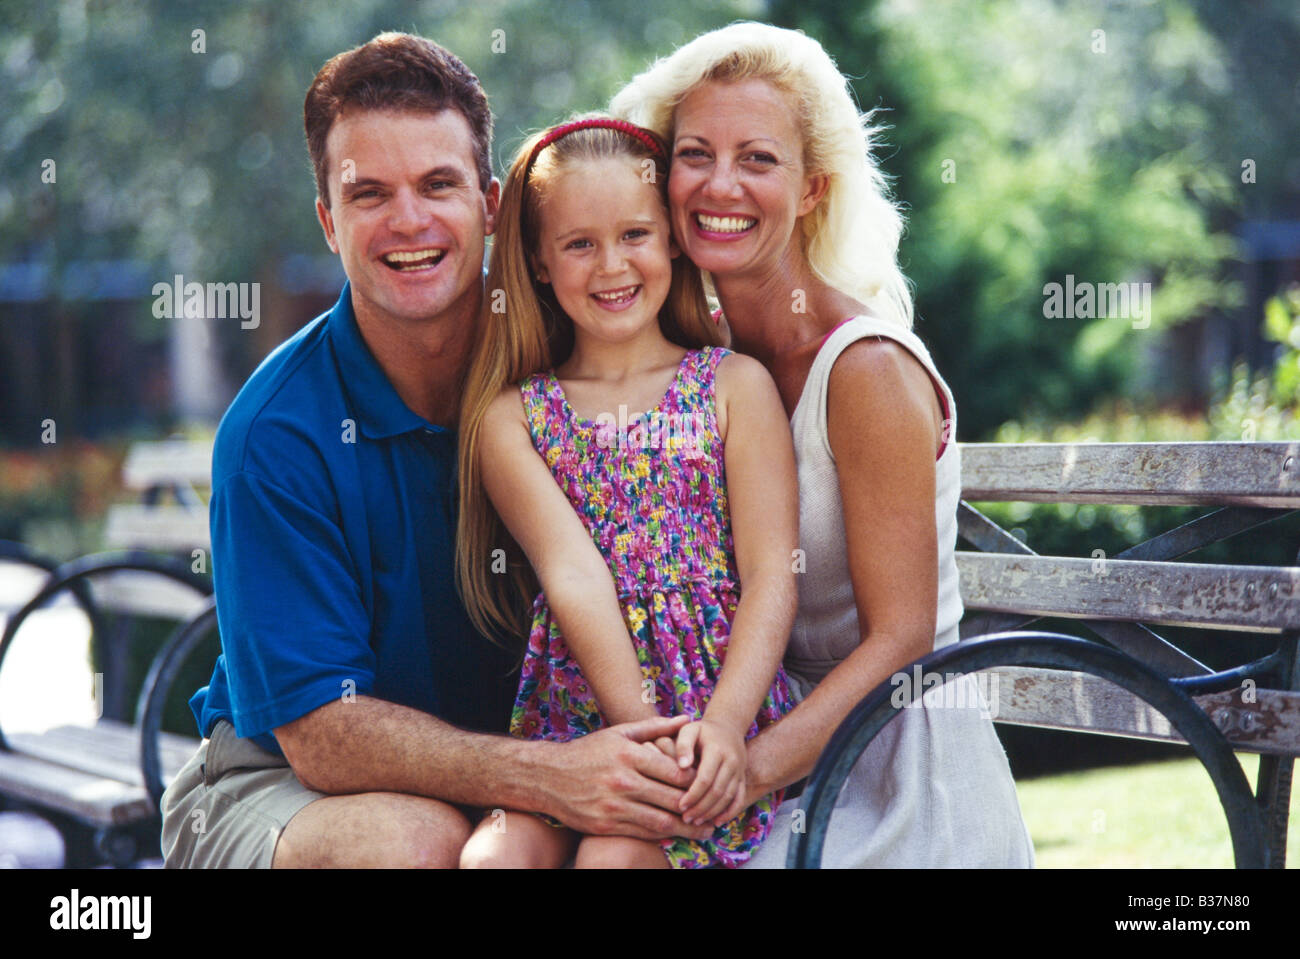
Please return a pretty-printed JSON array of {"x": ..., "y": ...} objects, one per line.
[{"x": 652, "y": 492}]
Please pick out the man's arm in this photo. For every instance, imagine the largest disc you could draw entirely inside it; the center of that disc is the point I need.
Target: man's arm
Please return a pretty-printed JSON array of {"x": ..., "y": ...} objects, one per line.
[
  {"x": 609, "y": 782},
  {"x": 294, "y": 631}
]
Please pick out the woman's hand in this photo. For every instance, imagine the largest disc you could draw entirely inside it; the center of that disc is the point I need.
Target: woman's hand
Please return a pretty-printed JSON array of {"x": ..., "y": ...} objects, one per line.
[
  {"x": 718, "y": 793},
  {"x": 885, "y": 428}
]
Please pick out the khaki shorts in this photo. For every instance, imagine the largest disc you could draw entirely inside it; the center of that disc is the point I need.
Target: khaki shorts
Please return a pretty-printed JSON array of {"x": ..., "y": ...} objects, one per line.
[{"x": 229, "y": 804}]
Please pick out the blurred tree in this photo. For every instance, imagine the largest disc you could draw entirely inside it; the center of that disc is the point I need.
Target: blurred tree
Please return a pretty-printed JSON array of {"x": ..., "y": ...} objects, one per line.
[
  {"x": 1037, "y": 140},
  {"x": 175, "y": 129},
  {"x": 1032, "y": 139}
]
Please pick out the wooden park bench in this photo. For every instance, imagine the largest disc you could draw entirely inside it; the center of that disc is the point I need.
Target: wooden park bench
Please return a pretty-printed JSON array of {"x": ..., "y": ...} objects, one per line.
[
  {"x": 1128, "y": 681},
  {"x": 171, "y": 514},
  {"x": 104, "y": 782}
]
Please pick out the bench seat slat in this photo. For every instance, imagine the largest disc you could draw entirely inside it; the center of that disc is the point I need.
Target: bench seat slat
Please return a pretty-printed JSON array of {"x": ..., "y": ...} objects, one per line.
[
  {"x": 1161, "y": 474},
  {"x": 1060, "y": 699},
  {"x": 109, "y": 749},
  {"x": 85, "y": 796},
  {"x": 141, "y": 593},
  {"x": 1262, "y": 599}
]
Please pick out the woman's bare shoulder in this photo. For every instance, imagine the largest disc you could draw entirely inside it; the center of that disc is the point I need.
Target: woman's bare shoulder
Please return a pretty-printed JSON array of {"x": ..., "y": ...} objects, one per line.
[{"x": 877, "y": 389}]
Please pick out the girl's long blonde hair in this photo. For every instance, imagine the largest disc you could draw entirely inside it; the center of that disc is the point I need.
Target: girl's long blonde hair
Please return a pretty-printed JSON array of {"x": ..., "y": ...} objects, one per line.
[{"x": 523, "y": 331}]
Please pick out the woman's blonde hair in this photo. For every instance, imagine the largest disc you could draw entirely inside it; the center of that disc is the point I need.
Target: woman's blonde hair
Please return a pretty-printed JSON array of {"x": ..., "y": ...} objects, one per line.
[
  {"x": 523, "y": 331},
  {"x": 851, "y": 238}
]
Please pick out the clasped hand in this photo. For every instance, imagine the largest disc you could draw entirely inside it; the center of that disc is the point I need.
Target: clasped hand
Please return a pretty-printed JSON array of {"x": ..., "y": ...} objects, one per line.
[{"x": 717, "y": 751}]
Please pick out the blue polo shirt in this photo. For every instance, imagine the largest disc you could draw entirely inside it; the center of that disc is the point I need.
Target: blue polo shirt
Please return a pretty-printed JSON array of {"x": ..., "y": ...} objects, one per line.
[{"x": 333, "y": 537}]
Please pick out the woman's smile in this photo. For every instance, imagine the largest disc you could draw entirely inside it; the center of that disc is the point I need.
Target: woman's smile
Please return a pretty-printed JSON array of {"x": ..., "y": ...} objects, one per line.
[
  {"x": 737, "y": 186},
  {"x": 722, "y": 227}
]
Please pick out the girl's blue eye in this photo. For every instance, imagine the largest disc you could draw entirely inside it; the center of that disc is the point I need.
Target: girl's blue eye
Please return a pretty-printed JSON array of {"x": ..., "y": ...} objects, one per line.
[
  {"x": 637, "y": 233},
  {"x": 574, "y": 244}
]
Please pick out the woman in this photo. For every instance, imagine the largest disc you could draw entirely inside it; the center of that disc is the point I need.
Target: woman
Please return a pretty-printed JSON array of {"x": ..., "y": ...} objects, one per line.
[{"x": 775, "y": 195}]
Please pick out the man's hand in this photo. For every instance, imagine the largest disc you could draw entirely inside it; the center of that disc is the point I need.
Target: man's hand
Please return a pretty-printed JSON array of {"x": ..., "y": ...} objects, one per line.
[{"x": 616, "y": 781}]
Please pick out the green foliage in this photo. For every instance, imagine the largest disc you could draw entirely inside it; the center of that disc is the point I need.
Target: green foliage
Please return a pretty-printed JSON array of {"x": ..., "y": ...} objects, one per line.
[
  {"x": 1263, "y": 407},
  {"x": 1282, "y": 326},
  {"x": 193, "y": 161},
  {"x": 1038, "y": 139}
]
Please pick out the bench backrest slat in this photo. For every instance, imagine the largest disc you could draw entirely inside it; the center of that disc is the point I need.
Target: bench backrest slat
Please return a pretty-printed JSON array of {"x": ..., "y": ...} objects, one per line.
[
  {"x": 1060, "y": 699},
  {"x": 132, "y": 526},
  {"x": 1256, "y": 598},
  {"x": 1165, "y": 474},
  {"x": 168, "y": 462}
]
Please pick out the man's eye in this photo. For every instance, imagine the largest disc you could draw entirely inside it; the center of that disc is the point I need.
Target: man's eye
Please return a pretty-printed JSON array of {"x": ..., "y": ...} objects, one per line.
[
  {"x": 440, "y": 184},
  {"x": 364, "y": 194}
]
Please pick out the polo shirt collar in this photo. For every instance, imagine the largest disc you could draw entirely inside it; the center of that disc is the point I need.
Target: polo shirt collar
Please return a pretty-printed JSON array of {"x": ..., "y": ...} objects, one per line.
[{"x": 381, "y": 413}]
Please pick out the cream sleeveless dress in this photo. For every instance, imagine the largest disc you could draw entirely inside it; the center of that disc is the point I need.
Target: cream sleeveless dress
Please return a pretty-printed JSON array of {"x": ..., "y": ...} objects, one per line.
[{"x": 933, "y": 789}]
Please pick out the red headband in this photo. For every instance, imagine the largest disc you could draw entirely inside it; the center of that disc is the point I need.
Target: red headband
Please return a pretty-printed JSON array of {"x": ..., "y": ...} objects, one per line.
[{"x": 608, "y": 123}]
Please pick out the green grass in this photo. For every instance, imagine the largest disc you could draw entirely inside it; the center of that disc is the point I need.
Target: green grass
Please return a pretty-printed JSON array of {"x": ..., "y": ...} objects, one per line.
[{"x": 1162, "y": 814}]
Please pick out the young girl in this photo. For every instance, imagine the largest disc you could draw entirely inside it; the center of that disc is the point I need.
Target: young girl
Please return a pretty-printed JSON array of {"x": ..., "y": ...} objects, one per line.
[{"x": 645, "y": 472}]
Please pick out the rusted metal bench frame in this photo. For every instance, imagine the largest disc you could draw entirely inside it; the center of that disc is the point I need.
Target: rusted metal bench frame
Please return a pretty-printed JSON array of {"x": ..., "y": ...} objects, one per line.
[{"x": 1252, "y": 483}]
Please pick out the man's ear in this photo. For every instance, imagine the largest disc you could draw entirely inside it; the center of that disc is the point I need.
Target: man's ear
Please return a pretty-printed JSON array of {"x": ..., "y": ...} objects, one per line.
[
  {"x": 492, "y": 201},
  {"x": 815, "y": 187},
  {"x": 327, "y": 224}
]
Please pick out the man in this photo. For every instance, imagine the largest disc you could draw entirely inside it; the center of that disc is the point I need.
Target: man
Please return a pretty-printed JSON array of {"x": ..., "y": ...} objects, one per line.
[{"x": 350, "y": 717}]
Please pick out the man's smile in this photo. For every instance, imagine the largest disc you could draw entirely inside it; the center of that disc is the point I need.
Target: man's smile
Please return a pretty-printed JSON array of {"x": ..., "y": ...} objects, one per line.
[{"x": 409, "y": 261}]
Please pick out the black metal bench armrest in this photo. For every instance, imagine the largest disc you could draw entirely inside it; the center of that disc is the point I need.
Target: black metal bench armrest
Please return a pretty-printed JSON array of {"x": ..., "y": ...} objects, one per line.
[
  {"x": 1048, "y": 651},
  {"x": 72, "y": 575},
  {"x": 157, "y": 684}
]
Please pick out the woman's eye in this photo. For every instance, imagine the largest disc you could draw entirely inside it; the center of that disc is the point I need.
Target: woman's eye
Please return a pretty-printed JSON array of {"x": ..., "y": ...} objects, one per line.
[
  {"x": 765, "y": 158},
  {"x": 690, "y": 153},
  {"x": 577, "y": 244},
  {"x": 637, "y": 233}
]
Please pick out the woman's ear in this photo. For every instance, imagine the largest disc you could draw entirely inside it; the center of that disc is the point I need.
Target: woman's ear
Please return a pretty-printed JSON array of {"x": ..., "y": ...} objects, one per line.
[
  {"x": 538, "y": 269},
  {"x": 815, "y": 187}
]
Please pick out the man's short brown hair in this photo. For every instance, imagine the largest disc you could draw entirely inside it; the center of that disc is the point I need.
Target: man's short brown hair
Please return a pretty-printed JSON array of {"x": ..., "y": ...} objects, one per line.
[{"x": 395, "y": 71}]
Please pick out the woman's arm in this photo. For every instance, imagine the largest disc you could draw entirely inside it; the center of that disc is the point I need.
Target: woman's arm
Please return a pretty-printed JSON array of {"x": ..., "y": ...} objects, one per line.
[
  {"x": 884, "y": 427},
  {"x": 573, "y": 575},
  {"x": 764, "y": 502}
]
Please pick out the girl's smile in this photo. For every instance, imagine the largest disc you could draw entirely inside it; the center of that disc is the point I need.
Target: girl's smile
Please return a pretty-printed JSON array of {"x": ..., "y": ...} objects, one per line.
[{"x": 619, "y": 299}]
